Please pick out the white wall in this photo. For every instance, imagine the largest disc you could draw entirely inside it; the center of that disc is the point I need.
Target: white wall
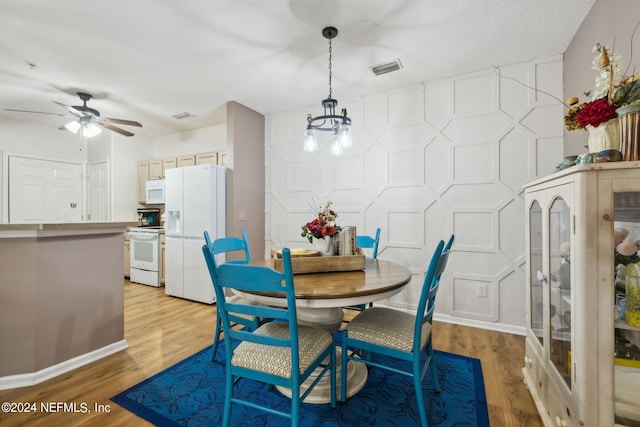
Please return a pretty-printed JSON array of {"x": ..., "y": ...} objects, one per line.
[
  {"x": 210, "y": 138},
  {"x": 38, "y": 141},
  {"x": 46, "y": 141},
  {"x": 442, "y": 157},
  {"x": 125, "y": 154}
]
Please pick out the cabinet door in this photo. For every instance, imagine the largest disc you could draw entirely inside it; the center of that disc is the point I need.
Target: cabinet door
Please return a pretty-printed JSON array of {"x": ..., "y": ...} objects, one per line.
[
  {"x": 155, "y": 170},
  {"x": 560, "y": 287},
  {"x": 168, "y": 164},
  {"x": 189, "y": 160},
  {"x": 625, "y": 299},
  {"x": 550, "y": 297},
  {"x": 536, "y": 291},
  {"x": 143, "y": 177},
  {"x": 203, "y": 158}
]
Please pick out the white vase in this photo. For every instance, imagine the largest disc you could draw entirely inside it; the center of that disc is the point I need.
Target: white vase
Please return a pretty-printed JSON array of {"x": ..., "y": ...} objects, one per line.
[
  {"x": 604, "y": 137},
  {"x": 326, "y": 246}
]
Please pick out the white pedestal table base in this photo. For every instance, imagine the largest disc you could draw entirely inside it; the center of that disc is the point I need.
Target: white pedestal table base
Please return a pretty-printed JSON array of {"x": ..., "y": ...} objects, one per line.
[{"x": 329, "y": 319}]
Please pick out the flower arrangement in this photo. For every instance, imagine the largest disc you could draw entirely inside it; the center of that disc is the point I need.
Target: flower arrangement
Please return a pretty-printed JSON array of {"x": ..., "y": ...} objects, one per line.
[
  {"x": 612, "y": 90},
  {"x": 323, "y": 225}
]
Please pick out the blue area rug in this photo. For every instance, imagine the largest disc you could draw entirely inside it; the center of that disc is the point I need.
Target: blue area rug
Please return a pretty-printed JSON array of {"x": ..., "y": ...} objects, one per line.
[{"x": 191, "y": 393}]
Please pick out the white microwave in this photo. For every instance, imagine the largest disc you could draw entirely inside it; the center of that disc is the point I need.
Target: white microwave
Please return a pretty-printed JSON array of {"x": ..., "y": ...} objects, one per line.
[{"x": 155, "y": 192}]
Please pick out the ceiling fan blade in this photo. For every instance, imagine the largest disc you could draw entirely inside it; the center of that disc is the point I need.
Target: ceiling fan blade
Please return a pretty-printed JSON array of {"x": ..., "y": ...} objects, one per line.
[
  {"x": 116, "y": 129},
  {"x": 36, "y": 112},
  {"x": 72, "y": 110},
  {"x": 123, "y": 122}
]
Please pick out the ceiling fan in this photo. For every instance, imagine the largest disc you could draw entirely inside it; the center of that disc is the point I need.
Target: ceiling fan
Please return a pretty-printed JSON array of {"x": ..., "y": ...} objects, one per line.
[{"x": 88, "y": 120}]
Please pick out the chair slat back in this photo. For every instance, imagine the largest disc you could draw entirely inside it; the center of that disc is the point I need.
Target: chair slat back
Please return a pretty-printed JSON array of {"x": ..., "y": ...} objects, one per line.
[
  {"x": 257, "y": 279},
  {"x": 430, "y": 287},
  {"x": 369, "y": 243},
  {"x": 230, "y": 244}
]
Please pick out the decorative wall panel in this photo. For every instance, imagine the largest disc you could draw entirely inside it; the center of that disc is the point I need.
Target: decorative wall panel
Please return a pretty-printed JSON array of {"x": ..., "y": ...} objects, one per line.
[{"x": 429, "y": 160}]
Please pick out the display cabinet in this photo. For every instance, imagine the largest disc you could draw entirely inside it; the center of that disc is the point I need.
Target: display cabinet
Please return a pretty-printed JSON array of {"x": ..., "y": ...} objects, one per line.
[{"x": 582, "y": 357}]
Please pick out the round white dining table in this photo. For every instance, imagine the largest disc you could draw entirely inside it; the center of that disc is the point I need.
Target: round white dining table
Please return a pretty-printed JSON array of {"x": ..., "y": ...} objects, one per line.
[{"x": 320, "y": 298}]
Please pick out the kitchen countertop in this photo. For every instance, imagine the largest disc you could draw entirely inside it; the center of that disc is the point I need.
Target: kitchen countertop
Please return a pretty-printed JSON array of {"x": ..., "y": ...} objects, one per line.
[
  {"x": 67, "y": 226},
  {"x": 63, "y": 229}
]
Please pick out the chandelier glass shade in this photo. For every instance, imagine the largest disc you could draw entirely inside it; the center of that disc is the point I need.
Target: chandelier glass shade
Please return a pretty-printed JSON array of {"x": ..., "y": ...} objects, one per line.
[{"x": 329, "y": 121}]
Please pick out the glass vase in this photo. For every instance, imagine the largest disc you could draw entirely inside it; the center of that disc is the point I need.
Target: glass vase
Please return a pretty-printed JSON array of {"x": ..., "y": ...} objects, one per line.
[{"x": 632, "y": 290}]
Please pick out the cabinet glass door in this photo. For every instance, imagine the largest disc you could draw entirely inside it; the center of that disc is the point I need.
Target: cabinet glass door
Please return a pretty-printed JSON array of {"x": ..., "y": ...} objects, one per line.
[
  {"x": 560, "y": 288},
  {"x": 536, "y": 310},
  {"x": 626, "y": 240}
]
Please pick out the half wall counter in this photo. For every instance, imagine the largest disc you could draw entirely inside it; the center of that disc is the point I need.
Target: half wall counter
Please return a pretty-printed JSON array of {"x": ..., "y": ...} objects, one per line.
[{"x": 61, "y": 298}]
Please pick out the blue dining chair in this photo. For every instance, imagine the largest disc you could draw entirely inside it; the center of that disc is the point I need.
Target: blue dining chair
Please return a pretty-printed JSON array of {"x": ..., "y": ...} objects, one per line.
[
  {"x": 223, "y": 246},
  {"x": 369, "y": 243},
  {"x": 366, "y": 242},
  {"x": 280, "y": 352},
  {"x": 398, "y": 334}
]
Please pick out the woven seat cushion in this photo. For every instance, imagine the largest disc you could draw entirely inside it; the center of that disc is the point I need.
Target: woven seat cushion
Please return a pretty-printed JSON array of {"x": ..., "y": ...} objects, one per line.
[
  {"x": 387, "y": 327},
  {"x": 277, "y": 360}
]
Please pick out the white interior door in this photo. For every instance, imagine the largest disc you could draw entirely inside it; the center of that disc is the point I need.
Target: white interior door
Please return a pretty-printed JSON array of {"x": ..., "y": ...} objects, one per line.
[
  {"x": 43, "y": 191},
  {"x": 98, "y": 182}
]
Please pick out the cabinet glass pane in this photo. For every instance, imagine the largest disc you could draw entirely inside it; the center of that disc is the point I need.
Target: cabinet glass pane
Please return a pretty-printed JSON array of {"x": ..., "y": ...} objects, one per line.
[
  {"x": 535, "y": 253},
  {"x": 626, "y": 237},
  {"x": 560, "y": 287}
]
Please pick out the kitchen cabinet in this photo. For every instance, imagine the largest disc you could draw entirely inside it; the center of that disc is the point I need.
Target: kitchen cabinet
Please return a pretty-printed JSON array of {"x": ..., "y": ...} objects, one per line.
[
  {"x": 150, "y": 170},
  {"x": 168, "y": 164},
  {"x": 203, "y": 158},
  {"x": 143, "y": 177},
  {"x": 155, "y": 170},
  {"x": 127, "y": 255},
  {"x": 579, "y": 354},
  {"x": 189, "y": 160},
  {"x": 158, "y": 167}
]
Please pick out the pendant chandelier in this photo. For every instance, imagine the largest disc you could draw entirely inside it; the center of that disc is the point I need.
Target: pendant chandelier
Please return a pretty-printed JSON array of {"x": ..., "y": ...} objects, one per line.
[{"x": 338, "y": 124}]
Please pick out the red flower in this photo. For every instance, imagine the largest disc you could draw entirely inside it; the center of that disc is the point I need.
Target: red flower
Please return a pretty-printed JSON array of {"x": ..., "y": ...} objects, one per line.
[
  {"x": 323, "y": 225},
  {"x": 596, "y": 112}
]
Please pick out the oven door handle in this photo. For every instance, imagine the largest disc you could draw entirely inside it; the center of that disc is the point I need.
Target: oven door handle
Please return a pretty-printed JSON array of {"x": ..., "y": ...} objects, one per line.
[{"x": 142, "y": 236}]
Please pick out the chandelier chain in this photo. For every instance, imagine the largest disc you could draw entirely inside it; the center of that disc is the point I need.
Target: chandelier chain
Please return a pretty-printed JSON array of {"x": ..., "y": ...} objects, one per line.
[{"x": 330, "y": 73}]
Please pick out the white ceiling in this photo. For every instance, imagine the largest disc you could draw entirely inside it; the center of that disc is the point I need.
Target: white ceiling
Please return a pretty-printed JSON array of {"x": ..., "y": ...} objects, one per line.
[{"x": 147, "y": 60}]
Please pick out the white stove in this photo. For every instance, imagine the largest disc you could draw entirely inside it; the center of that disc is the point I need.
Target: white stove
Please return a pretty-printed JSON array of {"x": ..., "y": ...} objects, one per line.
[{"x": 145, "y": 255}]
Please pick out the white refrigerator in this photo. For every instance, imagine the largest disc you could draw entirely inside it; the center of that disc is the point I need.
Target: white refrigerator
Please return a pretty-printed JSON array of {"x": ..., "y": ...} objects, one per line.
[{"x": 195, "y": 201}]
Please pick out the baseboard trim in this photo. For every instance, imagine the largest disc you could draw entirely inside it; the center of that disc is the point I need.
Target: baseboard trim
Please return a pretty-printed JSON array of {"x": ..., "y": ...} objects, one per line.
[
  {"x": 498, "y": 327},
  {"x": 446, "y": 318},
  {"x": 33, "y": 378}
]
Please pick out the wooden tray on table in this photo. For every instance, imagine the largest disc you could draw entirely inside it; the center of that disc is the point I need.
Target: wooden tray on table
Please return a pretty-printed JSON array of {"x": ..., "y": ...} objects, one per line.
[{"x": 311, "y": 261}]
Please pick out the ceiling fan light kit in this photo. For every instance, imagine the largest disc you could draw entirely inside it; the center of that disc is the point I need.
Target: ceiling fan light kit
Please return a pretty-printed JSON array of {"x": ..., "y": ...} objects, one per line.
[
  {"x": 89, "y": 121},
  {"x": 339, "y": 124},
  {"x": 87, "y": 129}
]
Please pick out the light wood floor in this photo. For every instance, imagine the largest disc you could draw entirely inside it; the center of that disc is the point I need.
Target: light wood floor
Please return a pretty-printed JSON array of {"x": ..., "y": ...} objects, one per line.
[{"x": 163, "y": 330}]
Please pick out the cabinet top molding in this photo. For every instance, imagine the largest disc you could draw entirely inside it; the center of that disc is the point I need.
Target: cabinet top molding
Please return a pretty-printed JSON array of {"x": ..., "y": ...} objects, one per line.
[{"x": 584, "y": 168}]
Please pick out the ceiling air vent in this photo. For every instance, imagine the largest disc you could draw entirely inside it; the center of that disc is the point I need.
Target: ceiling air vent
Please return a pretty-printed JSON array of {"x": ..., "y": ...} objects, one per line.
[
  {"x": 387, "y": 67},
  {"x": 183, "y": 116}
]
